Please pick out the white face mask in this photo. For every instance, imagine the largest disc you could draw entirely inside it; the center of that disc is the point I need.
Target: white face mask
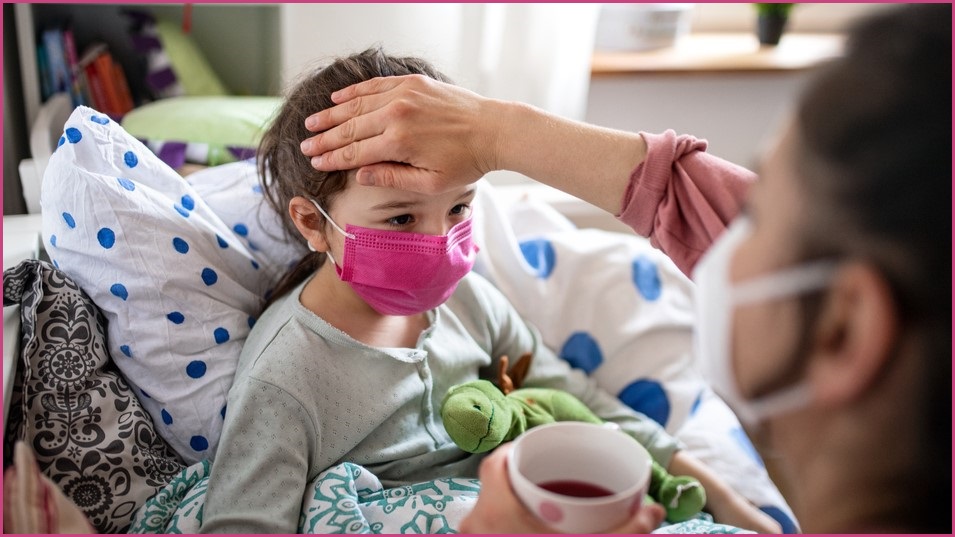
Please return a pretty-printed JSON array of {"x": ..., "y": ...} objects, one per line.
[{"x": 715, "y": 301}]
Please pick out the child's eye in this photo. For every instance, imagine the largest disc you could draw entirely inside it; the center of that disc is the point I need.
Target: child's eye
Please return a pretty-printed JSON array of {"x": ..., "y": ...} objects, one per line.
[
  {"x": 461, "y": 209},
  {"x": 400, "y": 221}
]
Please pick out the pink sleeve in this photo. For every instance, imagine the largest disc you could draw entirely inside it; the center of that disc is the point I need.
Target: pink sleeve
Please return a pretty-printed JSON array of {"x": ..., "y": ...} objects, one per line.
[{"x": 681, "y": 197}]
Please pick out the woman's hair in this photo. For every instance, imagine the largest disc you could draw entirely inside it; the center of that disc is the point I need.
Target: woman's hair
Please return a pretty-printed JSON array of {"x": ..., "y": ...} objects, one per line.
[
  {"x": 285, "y": 172},
  {"x": 874, "y": 160}
]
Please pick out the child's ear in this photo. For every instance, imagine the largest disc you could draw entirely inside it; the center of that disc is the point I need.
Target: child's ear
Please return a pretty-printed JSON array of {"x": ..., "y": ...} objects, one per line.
[{"x": 308, "y": 221}]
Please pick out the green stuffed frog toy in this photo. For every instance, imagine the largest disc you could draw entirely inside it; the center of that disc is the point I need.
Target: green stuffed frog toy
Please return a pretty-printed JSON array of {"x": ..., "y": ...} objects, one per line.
[{"x": 467, "y": 410}]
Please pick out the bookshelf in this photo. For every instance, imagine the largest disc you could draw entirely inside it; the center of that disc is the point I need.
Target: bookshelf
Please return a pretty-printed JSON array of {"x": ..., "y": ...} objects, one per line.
[{"x": 239, "y": 40}]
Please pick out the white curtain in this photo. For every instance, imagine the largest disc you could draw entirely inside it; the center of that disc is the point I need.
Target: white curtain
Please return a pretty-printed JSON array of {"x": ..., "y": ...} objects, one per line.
[{"x": 535, "y": 53}]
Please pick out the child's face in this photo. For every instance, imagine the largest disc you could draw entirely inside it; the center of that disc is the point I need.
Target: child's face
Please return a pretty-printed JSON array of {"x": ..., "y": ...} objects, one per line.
[{"x": 398, "y": 210}]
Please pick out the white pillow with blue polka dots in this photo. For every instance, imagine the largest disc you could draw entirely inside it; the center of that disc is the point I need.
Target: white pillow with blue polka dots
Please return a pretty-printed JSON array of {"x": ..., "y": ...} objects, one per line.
[
  {"x": 233, "y": 193},
  {"x": 619, "y": 309},
  {"x": 179, "y": 286}
]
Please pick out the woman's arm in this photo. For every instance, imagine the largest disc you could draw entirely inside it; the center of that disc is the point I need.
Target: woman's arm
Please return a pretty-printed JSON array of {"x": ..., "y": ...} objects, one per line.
[
  {"x": 447, "y": 136},
  {"x": 415, "y": 133}
]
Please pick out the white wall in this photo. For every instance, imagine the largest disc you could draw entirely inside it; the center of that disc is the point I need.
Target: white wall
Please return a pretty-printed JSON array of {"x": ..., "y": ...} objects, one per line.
[
  {"x": 313, "y": 33},
  {"x": 735, "y": 113}
]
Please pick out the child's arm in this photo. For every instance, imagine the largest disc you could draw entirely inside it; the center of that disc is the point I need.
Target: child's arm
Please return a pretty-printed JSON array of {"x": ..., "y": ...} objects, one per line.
[{"x": 726, "y": 505}]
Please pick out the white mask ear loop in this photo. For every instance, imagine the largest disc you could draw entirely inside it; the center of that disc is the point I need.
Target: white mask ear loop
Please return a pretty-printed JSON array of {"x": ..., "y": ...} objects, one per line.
[
  {"x": 334, "y": 225},
  {"x": 332, "y": 222}
]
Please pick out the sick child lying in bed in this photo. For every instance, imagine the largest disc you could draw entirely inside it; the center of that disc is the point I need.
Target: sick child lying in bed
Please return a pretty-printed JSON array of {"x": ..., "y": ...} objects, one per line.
[{"x": 363, "y": 338}]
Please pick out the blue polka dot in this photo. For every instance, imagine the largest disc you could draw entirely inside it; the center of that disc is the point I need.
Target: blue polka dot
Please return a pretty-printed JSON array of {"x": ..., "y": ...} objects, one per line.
[
  {"x": 53, "y": 240},
  {"x": 199, "y": 443},
  {"x": 257, "y": 189},
  {"x": 166, "y": 417},
  {"x": 68, "y": 218},
  {"x": 131, "y": 159},
  {"x": 61, "y": 141},
  {"x": 126, "y": 183},
  {"x": 106, "y": 237},
  {"x": 581, "y": 351},
  {"x": 119, "y": 290},
  {"x": 99, "y": 119},
  {"x": 252, "y": 246},
  {"x": 196, "y": 369},
  {"x": 176, "y": 317},
  {"x": 146, "y": 395},
  {"x": 739, "y": 435},
  {"x": 646, "y": 277},
  {"x": 255, "y": 265},
  {"x": 648, "y": 397},
  {"x": 222, "y": 412},
  {"x": 241, "y": 230},
  {"x": 695, "y": 407},
  {"x": 56, "y": 263},
  {"x": 788, "y": 525},
  {"x": 73, "y": 135},
  {"x": 188, "y": 202},
  {"x": 181, "y": 210},
  {"x": 125, "y": 350},
  {"x": 251, "y": 321},
  {"x": 209, "y": 276},
  {"x": 540, "y": 255},
  {"x": 221, "y": 335},
  {"x": 180, "y": 245},
  {"x": 221, "y": 241}
]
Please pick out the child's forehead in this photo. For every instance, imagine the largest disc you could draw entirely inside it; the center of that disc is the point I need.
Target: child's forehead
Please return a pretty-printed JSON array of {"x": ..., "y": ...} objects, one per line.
[{"x": 374, "y": 195}]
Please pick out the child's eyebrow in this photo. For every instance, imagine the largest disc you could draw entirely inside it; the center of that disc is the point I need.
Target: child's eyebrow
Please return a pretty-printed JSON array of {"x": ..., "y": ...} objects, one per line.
[
  {"x": 392, "y": 205},
  {"x": 399, "y": 204}
]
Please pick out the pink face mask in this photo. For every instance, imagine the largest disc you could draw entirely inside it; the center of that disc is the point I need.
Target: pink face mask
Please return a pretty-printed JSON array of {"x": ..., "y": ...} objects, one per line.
[{"x": 400, "y": 273}]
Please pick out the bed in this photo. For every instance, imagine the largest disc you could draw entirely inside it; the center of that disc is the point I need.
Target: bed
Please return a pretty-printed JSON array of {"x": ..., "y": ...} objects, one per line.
[{"x": 131, "y": 333}]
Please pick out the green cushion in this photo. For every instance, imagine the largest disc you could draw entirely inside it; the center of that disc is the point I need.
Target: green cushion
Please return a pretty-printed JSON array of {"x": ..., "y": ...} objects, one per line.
[
  {"x": 192, "y": 70},
  {"x": 225, "y": 121}
]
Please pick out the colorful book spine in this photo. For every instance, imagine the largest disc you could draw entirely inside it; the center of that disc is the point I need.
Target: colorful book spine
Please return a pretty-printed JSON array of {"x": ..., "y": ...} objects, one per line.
[
  {"x": 76, "y": 75},
  {"x": 97, "y": 91},
  {"x": 56, "y": 60}
]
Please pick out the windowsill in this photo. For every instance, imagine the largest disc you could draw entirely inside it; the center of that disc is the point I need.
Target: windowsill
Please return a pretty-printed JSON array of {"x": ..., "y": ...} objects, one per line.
[{"x": 717, "y": 53}]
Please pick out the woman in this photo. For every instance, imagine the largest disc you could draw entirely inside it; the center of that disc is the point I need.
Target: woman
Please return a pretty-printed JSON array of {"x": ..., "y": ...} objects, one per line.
[{"x": 841, "y": 350}]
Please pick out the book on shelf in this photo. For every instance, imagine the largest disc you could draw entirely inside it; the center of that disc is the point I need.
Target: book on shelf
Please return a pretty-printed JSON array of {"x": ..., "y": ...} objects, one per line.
[
  {"x": 58, "y": 72},
  {"x": 93, "y": 79}
]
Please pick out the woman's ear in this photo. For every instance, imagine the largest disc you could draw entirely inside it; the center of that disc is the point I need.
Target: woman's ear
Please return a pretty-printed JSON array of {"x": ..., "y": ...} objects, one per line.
[
  {"x": 855, "y": 336},
  {"x": 309, "y": 222}
]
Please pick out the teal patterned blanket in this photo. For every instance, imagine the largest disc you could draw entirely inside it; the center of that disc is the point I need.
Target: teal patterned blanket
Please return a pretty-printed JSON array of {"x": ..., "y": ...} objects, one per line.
[{"x": 349, "y": 499}]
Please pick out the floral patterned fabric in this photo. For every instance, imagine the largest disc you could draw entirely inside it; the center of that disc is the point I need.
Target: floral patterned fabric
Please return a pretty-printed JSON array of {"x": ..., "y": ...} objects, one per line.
[{"x": 74, "y": 409}]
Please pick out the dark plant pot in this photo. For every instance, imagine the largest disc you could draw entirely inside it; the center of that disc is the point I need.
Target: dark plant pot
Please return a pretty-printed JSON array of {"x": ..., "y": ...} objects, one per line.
[{"x": 770, "y": 28}]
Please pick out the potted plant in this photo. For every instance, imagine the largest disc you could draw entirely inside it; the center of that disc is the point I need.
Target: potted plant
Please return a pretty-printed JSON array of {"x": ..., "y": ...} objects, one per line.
[{"x": 771, "y": 21}]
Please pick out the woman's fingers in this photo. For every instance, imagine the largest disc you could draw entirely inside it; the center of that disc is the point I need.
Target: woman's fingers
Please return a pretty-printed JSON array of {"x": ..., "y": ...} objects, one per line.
[
  {"x": 647, "y": 519},
  {"x": 350, "y": 127},
  {"x": 356, "y": 100},
  {"x": 25, "y": 506},
  {"x": 402, "y": 177},
  {"x": 370, "y": 87}
]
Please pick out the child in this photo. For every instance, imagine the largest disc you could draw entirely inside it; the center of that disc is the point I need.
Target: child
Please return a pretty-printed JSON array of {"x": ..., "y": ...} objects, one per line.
[{"x": 365, "y": 336}]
